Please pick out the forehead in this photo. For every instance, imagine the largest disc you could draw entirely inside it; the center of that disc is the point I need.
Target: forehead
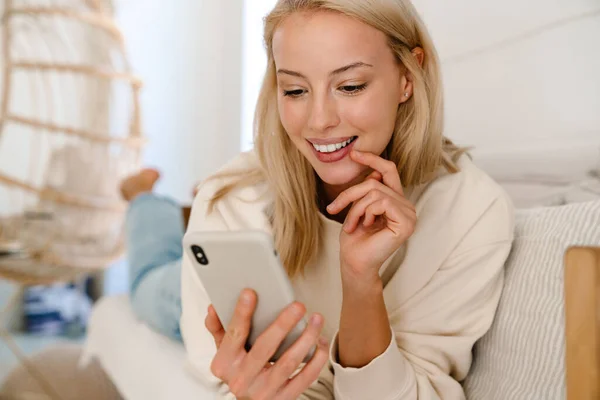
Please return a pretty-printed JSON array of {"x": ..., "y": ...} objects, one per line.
[{"x": 328, "y": 40}]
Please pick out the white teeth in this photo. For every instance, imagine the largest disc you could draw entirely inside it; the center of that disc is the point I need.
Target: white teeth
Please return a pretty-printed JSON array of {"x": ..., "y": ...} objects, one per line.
[{"x": 330, "y": 148}]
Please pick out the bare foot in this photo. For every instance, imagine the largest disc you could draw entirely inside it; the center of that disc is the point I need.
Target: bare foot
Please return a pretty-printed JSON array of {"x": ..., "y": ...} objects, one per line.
[{"x": 142, "y": 182}]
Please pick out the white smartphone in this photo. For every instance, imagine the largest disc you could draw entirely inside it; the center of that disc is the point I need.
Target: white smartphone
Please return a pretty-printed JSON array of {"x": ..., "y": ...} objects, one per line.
[{"x": 228, "y": 262}]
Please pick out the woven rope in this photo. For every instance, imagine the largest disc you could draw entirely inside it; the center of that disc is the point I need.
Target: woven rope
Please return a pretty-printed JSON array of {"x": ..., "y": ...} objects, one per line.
[
  {"x": 47, "y": 267},
  {"x": 82, "y": 69},
  {"x": 94, "y": 19},
  {"x": 63, "y": 198},
  {"x": 132, "y": 142}
]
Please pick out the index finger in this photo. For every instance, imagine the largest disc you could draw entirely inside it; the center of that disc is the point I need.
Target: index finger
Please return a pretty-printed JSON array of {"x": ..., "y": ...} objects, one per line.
[
  {"x": 214, "y": 326},
  {"x": 387, "y": 168}
]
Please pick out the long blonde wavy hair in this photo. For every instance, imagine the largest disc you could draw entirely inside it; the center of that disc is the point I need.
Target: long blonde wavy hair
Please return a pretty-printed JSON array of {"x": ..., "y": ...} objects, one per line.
[{"x": 417, "y": 146}]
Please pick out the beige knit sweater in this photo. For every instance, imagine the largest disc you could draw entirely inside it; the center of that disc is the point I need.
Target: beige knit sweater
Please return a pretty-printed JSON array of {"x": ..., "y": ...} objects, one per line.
[{"x": 440, "y": 300}]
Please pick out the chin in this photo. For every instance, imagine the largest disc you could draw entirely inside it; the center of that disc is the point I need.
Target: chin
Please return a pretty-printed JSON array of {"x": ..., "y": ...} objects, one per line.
[{"x": 339, "y": 175}]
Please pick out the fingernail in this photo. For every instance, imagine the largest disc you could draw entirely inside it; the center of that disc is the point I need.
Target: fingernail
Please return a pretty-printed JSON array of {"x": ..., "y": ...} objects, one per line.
[
  {"x": 315, "y": 320},
  {"x": 247, "y": 297},
  {"x": 297, "y": 309}
]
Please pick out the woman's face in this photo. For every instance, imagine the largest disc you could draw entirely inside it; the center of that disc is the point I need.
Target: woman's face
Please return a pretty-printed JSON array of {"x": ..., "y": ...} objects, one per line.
[{"x": 339, "y": 88}]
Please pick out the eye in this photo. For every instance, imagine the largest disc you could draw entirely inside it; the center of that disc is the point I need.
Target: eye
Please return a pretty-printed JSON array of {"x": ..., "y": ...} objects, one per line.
[
  {"x": 353, "y": 89},
  {"x": 293, "y": 93}
]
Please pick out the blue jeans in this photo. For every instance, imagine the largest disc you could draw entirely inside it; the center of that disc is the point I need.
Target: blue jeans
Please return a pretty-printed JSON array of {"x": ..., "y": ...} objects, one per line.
[{"x": 154, "y": 229}]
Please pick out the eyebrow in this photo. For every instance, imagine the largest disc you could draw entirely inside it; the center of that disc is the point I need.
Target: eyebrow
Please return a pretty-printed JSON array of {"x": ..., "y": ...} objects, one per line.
[{"x": 338, "y": 71}]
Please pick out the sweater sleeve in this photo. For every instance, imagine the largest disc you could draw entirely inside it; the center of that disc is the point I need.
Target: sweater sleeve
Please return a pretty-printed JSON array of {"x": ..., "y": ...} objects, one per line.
[
  {"x": 435, "y": 330},
  {"x": 199, "y": 343}
]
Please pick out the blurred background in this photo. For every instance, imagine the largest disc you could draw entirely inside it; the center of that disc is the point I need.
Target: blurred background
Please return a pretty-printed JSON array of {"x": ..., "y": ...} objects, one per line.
[{"x": 521, "y": 84}]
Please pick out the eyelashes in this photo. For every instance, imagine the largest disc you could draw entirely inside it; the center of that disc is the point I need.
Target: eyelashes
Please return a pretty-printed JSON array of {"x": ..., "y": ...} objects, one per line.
[
  {"x": 349, "y": 90},
  {"x": 293, "y": 93},
  {"x": 353, "y": 89}
]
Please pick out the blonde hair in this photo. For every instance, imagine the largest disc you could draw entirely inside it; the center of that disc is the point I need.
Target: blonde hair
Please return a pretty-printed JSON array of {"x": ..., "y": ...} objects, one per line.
[{"x": 417, "y": 145}]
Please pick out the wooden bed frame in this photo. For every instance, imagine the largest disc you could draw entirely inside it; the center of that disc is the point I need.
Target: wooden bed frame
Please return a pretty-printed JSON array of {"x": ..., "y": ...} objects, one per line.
[
  {"x": 582, "y": 312},
  {"x": 185, "y": 213}
]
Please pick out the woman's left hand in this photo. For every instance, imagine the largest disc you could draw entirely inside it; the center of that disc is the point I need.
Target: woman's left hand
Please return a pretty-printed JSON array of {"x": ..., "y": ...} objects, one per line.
[{"x": 380, "y": 220}]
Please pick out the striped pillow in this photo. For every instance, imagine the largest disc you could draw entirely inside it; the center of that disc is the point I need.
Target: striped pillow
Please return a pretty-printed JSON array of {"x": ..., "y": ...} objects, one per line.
[{"x": 522, "y": 356}]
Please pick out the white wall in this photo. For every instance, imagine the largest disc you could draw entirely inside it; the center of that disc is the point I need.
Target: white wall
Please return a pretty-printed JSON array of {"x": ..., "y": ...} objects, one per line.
[
  {"x": 189, "y": 55},
  {"x": 537, "y": 90},
  {"x": 254, "y": 62}
]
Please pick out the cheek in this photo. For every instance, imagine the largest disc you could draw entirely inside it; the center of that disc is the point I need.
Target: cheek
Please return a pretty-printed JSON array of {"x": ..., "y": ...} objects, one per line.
[
  {"x": 373, "y": 114},
  {"x": 292, "y": 117}
]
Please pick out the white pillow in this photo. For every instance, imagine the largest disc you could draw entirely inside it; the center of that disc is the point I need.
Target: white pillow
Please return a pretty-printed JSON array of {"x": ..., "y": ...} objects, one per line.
[
  {"x": 531, "y": 195},
  {"x": 554, "y": 163},
  {"x": 522, "y": 356},
  {"x": 551, "y": 174},
  {"x": 586, "y": 190}
]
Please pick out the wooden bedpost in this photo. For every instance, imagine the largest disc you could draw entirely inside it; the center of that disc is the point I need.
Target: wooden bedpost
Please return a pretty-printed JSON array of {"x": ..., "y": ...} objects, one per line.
[
  {"x": 185, "y": 213},
  {"x": 582, "y": 313}
]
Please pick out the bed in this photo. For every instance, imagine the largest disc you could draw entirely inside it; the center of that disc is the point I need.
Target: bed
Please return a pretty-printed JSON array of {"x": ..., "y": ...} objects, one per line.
[
  {"x": 147, "y": 366},
  {"x": 142, "y": 364}
]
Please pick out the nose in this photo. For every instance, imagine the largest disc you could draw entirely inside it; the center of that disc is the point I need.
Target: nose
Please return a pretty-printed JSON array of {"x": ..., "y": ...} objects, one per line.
[{"x": 323, "y": 113}]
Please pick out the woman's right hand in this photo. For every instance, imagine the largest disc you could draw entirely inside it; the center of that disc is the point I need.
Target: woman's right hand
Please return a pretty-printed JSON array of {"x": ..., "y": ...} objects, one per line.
[{"x": 249, "y": 374}]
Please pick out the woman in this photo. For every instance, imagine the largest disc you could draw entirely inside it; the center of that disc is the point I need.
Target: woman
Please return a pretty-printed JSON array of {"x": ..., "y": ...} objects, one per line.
[{"x": 393, "y": 239}]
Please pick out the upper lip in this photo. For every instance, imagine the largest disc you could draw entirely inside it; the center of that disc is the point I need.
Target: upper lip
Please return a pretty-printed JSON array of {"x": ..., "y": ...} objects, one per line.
[{"x": 329, "y": 141}]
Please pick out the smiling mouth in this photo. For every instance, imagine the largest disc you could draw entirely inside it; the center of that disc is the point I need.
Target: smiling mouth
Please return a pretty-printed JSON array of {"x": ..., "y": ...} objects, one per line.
[{"x": 332, "y": 148}]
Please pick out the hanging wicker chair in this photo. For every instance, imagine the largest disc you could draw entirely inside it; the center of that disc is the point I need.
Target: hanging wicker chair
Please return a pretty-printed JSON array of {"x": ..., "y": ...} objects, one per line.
[{"x": 69, "y": 131}]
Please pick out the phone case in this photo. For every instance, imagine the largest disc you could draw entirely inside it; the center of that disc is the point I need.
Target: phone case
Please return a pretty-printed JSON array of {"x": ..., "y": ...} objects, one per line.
[{"x": 228, "y": 262}]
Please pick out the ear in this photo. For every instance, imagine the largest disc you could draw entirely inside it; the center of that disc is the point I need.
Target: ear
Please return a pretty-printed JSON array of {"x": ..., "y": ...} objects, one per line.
[
  {"x": 406, "y": 81},
  {"x": 419, "y": 54}
]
